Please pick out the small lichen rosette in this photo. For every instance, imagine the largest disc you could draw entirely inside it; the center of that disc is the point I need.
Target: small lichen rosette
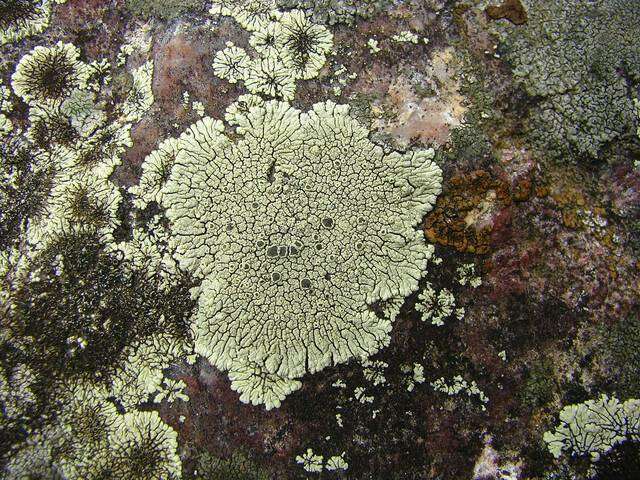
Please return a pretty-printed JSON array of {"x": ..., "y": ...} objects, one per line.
[{"x": 297, "y": 228}]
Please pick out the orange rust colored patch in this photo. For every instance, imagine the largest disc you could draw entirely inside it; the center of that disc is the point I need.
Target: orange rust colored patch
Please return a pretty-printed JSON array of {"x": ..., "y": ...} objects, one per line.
[
  {"x": 511, "y": 10},
  {"x": 463, "y": 216}
]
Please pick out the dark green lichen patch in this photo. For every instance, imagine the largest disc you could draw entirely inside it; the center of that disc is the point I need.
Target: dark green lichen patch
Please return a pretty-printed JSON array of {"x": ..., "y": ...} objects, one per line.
[
  {"x": 165, "y": 10},
  {"x": 81, "y": 307},
  {"x": 237, "y": 466},
  {"x": 17, "y": 13},
  {"x": 24, "y": 190},
  {"x": 581, "y": 61}
]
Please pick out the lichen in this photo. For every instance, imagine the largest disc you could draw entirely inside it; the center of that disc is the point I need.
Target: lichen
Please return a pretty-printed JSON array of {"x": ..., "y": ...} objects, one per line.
[
  {"x": 338, "y": 11},
  {"x": 414, "y": 374},
  {"x": 337, "y": 462},
  {"x": 140, "y": 96},
  {"x": 373, "y": 45},
  {"x": 577, "y": 58},
  {"x": 304, "y": 43},
  {"x": 458, "y": 385},
  {"x": 90, "y": 440},
  {"x": 406, "y": 36},
  {"x": 289, "y": 47},
  {"x": 6, "y": 126},
  {"x": 435, "y": 306},
  {"x": 240, "y": 108},
  {"x": 310, "y": 462},
  {"x": 155, "y": 173},
  {"x": 22, "y": 18},
  {"x": 288, "y": 271},
  {"x": 466, "y": 274},
  {"x": 231, "y": 63},
  {"x": 49, "y": 74},
  {"x": 250, "y": 14},
  {"x": 143, "y": 372},
  {"x": 373, "y": 371},
  {"x": 594, "y": 427}
]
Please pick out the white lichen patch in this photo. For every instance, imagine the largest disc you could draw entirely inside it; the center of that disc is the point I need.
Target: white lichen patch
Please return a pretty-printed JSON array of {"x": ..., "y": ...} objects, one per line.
[
  {"x": 271, "y": 76},
  {"x": 373, "y": 45},
  {"x": 140, "y": 97},
  {"x": 82, "y": 110},
  {"x": 406, "y": 36},
  {"x": 289, "y": 269},
  {"x": 390, "y": 308},
  {"x": 360, "y": 394},
  {"x": 414, "y": 374},
  {"x": 139, "y": 41},
  {"x": 171, "y": 390},
  {"x": 240, "y": 108},
  {"x": 459, "y": 385},
  {"x": 288, "y": 45},
  {"x": 436, "y": 306},
  {"x": 49, "y": 74},
  {"x": 149, "y": 251},
  {"x": 305, "y": 44},
  {"x": 337, "y": 462},
  {"x": 89, "y": 438},
  {"x": 82, "y": 204},
  {"x": 466, "y": 274},
  {"x": 140, "y": 437},
  {"x": 6, "y": 126},
  {"x": 250, "y": 14},
  {"x": 198, "y": 107},
  {"x": 156, "y": 169},
  {"x": 74, "y": 137},
  {"x": 311, "y": 462},
  {"x": 594, "y": 427},
  {"x": 143, "y": 371},
  {"x": 339, "y": 384},
  {"x": 373, "y": 371},
  {"x": 257, "y": 385},
  {"x": 232, "y": 63}
]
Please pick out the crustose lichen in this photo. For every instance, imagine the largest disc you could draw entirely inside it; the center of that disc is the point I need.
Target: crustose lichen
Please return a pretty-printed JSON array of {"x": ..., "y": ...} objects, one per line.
[{"x": 296, "y": 229}]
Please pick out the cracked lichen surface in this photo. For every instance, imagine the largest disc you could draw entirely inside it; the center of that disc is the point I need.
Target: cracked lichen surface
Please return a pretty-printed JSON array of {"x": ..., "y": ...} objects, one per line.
[
  {"x": 295, "y": 229},
  {"x": 580, "y": 61}
]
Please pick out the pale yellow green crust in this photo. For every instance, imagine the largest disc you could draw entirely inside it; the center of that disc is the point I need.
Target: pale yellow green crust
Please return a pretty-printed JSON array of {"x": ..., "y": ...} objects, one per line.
[
  {"x": 296, "y": 229},
  {"x": 289, "y": 47},
  {"x": 594, "y": 427}
]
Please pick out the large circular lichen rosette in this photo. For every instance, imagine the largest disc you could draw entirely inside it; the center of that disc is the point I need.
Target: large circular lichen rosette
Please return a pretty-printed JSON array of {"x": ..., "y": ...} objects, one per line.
[{"x": 296, "y": 228}]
